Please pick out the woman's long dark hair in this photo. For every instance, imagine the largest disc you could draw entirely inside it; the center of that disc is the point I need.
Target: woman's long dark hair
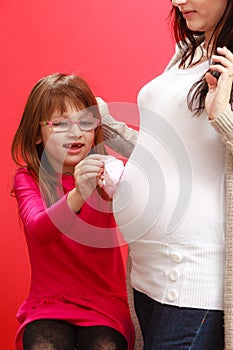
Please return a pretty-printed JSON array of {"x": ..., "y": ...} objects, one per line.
[
  {"x": 51, "y": 93},
  {"x": 189, "y": 40}
]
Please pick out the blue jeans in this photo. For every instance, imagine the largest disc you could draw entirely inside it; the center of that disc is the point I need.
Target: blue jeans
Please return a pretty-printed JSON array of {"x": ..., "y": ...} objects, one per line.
[{"x": 167, "y": 327}]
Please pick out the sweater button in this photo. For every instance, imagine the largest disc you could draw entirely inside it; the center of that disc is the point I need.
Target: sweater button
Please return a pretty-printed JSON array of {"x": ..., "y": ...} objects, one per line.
[
  {"x": 176, "y": 257},
  {"x": 172, "y": 295},
  {"x": 174, "y": 275}
]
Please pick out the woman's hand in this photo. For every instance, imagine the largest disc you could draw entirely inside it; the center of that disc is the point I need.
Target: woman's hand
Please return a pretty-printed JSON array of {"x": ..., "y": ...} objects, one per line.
[
  {"x": 88, "y": 174},
  {"x": 219, "y": 93}
]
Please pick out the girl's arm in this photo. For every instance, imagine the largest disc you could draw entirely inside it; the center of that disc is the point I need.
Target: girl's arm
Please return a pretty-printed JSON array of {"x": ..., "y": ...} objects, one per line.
[
  {"x": 40, "y": 222},
  {"x": 86, "y": 174},
  {"x": 117, "y": 135},
  {"x": 46, "y": 224}
]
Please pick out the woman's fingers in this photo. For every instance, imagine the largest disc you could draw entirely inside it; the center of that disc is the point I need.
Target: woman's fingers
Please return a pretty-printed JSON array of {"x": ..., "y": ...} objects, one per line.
[
  {"x": 211, "y": 81},
  {"x": 223, "y": 63},
  {"x": 219, "y": 92}
]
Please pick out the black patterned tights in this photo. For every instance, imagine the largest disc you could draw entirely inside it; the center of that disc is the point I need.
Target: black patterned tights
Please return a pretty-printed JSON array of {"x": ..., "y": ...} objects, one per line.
[{"x": 58, "y": 335}]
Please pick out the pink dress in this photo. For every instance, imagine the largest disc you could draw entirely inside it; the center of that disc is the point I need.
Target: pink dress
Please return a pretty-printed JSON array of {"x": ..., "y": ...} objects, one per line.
[{"x": 77, "y": 261}]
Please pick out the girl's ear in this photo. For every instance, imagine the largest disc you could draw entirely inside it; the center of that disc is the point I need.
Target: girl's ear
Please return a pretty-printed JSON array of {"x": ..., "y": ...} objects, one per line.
[{"x": 38, "y": 139}]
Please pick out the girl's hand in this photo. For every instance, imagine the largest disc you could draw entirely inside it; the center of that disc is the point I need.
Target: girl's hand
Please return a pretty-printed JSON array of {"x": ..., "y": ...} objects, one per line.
[
  {"x": 219, "y": 93},
  {"x": 87, "y": 174}
]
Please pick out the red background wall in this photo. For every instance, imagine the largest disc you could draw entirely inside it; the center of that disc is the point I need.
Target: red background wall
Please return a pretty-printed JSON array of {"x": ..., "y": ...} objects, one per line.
[{"x": 117, "y": 46}]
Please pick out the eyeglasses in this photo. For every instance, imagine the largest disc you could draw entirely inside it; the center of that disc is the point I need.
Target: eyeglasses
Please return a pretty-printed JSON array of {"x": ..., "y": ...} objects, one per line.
[{"x": 62, "y": 125}]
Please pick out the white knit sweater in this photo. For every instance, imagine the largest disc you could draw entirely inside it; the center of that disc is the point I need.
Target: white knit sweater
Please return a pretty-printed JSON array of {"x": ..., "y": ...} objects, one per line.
[{"x": 196, "y": 279}]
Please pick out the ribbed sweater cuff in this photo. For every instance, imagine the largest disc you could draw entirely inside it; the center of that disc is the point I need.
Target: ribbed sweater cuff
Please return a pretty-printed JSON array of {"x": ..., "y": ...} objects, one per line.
[
  {"x": 108, "y": 127},
  {"x": 113, "y": 129},
  {"x": 224, "y": 122}
]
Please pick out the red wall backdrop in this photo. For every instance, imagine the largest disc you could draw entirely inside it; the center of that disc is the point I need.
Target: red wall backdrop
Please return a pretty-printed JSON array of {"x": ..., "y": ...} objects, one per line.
[{"x": 116, "y": 45}]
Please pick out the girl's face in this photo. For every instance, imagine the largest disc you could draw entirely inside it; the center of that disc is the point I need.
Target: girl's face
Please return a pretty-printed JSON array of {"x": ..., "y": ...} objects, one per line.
[
  {"x": 65, "y": 149},
  {"x": 201, "y": 15}
]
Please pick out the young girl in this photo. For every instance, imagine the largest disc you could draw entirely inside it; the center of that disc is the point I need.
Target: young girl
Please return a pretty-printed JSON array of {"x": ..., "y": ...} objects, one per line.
[{"x": 78, "y": 296}]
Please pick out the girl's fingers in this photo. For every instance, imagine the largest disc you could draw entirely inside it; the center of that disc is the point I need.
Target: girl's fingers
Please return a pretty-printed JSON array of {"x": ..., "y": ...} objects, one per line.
[
  {"x": 94, "y": 170},
  {"x": 100, "y": 181},
  {"x": 92, "y": 163},
  {"x": 98, "y": 157},
  {"x": 88, "y": 172}
]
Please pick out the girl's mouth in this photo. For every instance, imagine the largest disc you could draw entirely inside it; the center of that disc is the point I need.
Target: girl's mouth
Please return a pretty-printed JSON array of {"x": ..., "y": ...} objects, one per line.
[{"x": 74, "y": 146}]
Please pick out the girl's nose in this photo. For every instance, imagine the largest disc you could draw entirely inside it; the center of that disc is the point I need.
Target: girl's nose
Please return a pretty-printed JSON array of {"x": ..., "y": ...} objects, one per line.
[{"x": 75, "y": 130}]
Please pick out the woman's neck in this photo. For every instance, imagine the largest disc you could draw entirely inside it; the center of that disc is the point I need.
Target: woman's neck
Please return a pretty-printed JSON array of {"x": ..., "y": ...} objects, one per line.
[{"x": 207, "y": 48}]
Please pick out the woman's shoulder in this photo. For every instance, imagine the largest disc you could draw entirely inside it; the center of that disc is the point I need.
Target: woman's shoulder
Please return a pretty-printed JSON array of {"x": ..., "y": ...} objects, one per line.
[
  {"x": 178, "y": 51},
  {"x": 181, "y": 48}
]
